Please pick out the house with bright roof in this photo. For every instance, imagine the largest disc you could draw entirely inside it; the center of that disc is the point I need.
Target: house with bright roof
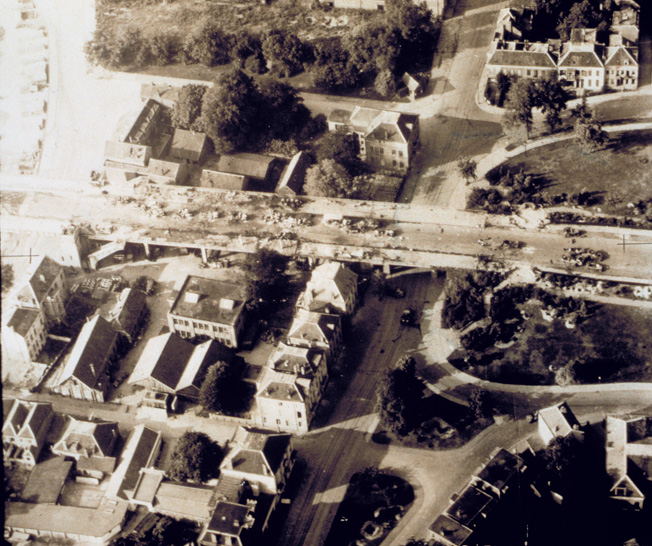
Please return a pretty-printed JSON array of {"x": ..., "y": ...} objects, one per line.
[
  {"x": 170, "y": 364},
  {"x": 92, "y": 444},
  {"x": 332, "y": 285},
  {"x": 557, "y": 421},
  {"x": 85, "y": 375},
  {"x": 209, "y": 309},
  {"x": 24, "y": 427},
  {"x": 628, "y": 450},
  {"x": 388, "y": 140},
  {"x": 621, "y": 68},
  {"x": 530, "y": 61},
  {"x": 316, "y": 330},
  {"x": 580, "y": 62}
]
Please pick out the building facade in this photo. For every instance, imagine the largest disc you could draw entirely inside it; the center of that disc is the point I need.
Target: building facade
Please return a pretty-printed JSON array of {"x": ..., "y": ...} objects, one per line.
[{"x": 24, "y": 427}]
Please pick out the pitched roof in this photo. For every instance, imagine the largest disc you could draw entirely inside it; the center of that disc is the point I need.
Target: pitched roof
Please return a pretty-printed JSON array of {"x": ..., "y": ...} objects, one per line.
[
  {"x": 210, "y": 300},
  {"x": 580, "y": 59},
  {"x": 559, "y": 419},
  {"x": 42, "y": 276},
  {"x": 279, "y": 386},
  {"x": 158, "y": 167},
  {"x": 302, "y": 361},
  {"x": 500, "y": 469},
  {"x": 88, "y": 438},
  {"x": 139, "y": 452},
  {"x": 164, "y": 358},
  {"x": 184, "y": 499},
  {"x": 222, "y": 181},
  {"x": 270, "y": 446},
  {"x": 330, "y": 282},
  {"x": 22, "y": 320},
  {"x": 294, "y": 174},
  {"x": 252, "y": 165},
  {"x": 90, "y": 352},
  {"x": 314, "y": 327},
  {"x": 187, "y": 144},
  {"x": 382, "y": 125},
  {"x": 46, "y": 480},
  {"x": 24, "y": 418},
  {"x": 128, "y": 308},
  {"x": 620, "y": 56},
  {"x": 451, "y": 530},
  {"x": 469, "y": 505},
  {"x": 536, "y": 59}
]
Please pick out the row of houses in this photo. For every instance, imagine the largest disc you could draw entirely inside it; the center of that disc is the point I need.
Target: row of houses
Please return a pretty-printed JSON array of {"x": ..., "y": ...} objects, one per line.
[
  {"x": 589, "y": 61},
  {"x": 628, "y": 466},
  {"x": 235, "y": 509}
]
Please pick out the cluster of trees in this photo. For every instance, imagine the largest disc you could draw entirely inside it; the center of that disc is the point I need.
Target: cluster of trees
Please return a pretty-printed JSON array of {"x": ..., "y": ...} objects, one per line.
[
  {"x": 379, "y": 50},
  {"x": 588, "y": 131},
  {"x": 565, "y": 15},
  {"x": 399, "y": 398},
  {"x": 196, "y": 457},
  {"x": 7, "y": 277},
  {"x": 525, "y": 95},
  {"x": 237, "y": 114},
  {"x": 166, "y": 531},
  {"x": 223, "y": 389},
  {"x": 489, "y": 199},
  {"x": 267, "y": 278},
  {"x": 464, "y": 300}
]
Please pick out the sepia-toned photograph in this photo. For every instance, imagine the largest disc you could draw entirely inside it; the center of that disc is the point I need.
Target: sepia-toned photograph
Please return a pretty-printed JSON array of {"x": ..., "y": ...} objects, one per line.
[{"x": 326, "y": 272}]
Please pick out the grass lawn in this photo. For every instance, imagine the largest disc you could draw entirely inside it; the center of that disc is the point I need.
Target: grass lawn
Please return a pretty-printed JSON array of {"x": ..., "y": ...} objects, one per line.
[
  {"x": 613, "y": 344},
  {"x": 373, "y": 504},
  {"x": 619, "y": 174}
]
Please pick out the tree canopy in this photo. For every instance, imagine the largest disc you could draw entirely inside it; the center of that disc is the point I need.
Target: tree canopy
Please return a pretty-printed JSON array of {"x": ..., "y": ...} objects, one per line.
[
  {"x": 398, "y": 398},
  {"x": 196, "y": 457},
  {"x": 342, "y": 148},
  {"x": 187, "y": 110},
  {"x": 552, "y": 98},
  {"x": 208, "y": 45},
  {"x": 480, "y": 404},
  {"x": 223, "y": 390},
  {"x": 267, "y": 276},
  {"x": 283, "y": 110},
  {"x": 329, "y": 179},
  {"x": 467, "y": 167},
  {"x": 521, "y": 100},
  {"x": 284, "y": 49},
  {"x": 7, "y": 276}
]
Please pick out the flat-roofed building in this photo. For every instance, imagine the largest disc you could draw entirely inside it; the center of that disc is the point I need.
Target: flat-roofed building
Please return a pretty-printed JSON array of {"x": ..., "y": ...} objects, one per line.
[{"x": 209, "y": 309}]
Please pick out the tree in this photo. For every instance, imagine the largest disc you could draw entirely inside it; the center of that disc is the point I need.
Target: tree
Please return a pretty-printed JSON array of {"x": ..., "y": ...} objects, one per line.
[
  {"x": 162, "y": 48},
  {"x": 581, "y": 15},
  {"x": 283, "y": 110},
  {"x": 186, "y": 112},
  {"x": 208, "y": 45},
  {"x": 385, "y": 83},
  {"x": 329, "y": 179},
  {"x": 196, "y": 457},
  {"x": 519, "y": 105},
  {"x": 7, "y": 277},
  {"x": 284, "y": 50},
  {"x": 565, "y": 376},
  {"x": 504, "y": 84},
  {"x": 551, "y": 97},
  {"x": 342, "y": 148},
  {"x": 245, "y": 45},
  {"x": 267, "y": 277},
  {"x": 415, "y": 21},
  {"x": 216, "y": 387},
  {"x": 480, "y": 404},
  {"x": 467, "y": 167},
  {"x": 398, "y": 398},
  {"x": 590, "y": 135},
  {"x": 231, "y": 112},
  {"x": 562, "y": 456},
  {"x": 582, "y": 111}
]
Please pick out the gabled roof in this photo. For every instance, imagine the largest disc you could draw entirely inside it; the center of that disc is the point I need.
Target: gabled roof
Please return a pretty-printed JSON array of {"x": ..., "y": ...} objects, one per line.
[
  {"x": 330, "y": 282},
  {"x": 471, "y": 503},
  {"x": 184, "y": 499},
  {"x": 314, "y": 327},
  {"x": 128, "y": 308},
  {"x": 619, "y": 57},
  {"x": 381, "y": 125},
  {"x": 24, "y": 419},
  {"x": 158, "y": 167},
  {"x": 523, "y": 59},
  {"x": 453, "y": 531},
  {"x": 41, "y": 277},
  {"x": 254, "y": 448},
  {"x": 279, "y": 386},
  {"x": 90, "y": 352},
  {"x": 222, "y": 181},
  {"x": 580, "y": 59},
  {"x": 187, "y": 143},
  {"x": 164, "y": 359},
  {"x": 22, "y": 320},
  {"x": 139, "y": 452},
  {"x": 88, "y": 438},
  {"x": 251, "y": 165},
  {"x": 301, "y": 361},
  {"x": 500, "y": 469},
  {"x": 294, "y": 174},
  {"x": 632, "y": 489}
]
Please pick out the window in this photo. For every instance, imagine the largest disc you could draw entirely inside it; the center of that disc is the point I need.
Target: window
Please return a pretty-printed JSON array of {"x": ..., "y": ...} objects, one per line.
[
  {"x": 400, "y": 153},
  {"x": 287, "y": 423},
  {"x": 528, "y": 72},
  {"x": 278, "y": 421},
  {"x": 299, "y": 414},
  {"x": 393, "y": 152},
  {"x": 402, "y": 164}
]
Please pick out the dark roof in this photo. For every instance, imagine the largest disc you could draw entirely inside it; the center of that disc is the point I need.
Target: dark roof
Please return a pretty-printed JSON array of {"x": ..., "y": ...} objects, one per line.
[
  {"x": 172, "y": 354},
  {"x": 223, "y": 181},
  {"x": 217, "y": 301},
  {"x": 38, "y": 419},
  {"x": 128, "y": 309},
  {"x": 450, "y": 529},
  {"x": 90, "y": 352},
  {"x": 621, "y": 57},
  {"x": 500, "y": 469},
  {"x": 252, "y": 165},
  {"x": 470, "y": 504},
  {"x": 46, "y": 481},
  {"x": 44, "y": 276},
  {"x": 294, "y": 174},
  {"x": 228, "y": 518},
  {"x": 147, "y": 115},
  {"x": 580, "y": 59},
  {"x": 141, "y": 455},
  {"x": 187, "y": 144},
  {"x": 340, "y": 116},
  {"x": 95, "y": 438},
  {"x": 275, "y": 448},
  {"x": 22, "y": 320},
  {"x": 538, "y": 59}
]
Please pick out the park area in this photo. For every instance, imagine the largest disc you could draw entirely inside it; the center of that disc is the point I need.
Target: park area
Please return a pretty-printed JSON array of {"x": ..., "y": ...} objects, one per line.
[
  {"x": 373, "y": 504},
  {"x": 611, "y": 344},
  {"x": 616, "y": 177}
]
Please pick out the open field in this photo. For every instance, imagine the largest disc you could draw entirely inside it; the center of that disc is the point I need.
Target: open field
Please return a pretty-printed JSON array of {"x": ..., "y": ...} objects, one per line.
[{"x": 618, "y": 175}]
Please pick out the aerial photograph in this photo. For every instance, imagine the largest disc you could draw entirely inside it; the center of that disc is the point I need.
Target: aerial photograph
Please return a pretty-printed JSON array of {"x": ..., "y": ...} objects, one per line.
[{"x": 326, "y": 272}]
